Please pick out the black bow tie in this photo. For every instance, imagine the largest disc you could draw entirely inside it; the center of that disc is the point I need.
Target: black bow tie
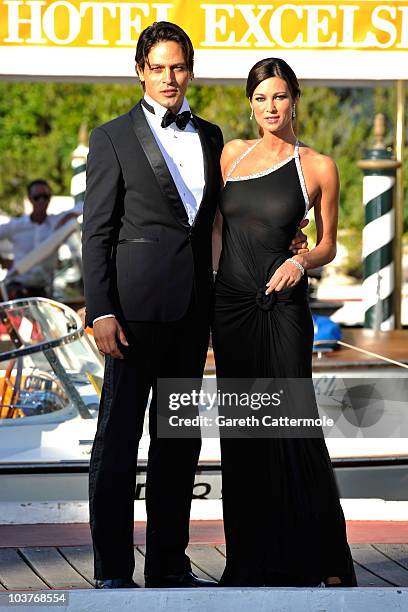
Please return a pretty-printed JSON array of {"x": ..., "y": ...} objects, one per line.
[{"x": 181, "y": 120}]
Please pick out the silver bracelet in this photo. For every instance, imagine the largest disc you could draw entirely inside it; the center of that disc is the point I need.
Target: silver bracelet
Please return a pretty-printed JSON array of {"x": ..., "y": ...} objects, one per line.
[{"x": 297, "y": 264}]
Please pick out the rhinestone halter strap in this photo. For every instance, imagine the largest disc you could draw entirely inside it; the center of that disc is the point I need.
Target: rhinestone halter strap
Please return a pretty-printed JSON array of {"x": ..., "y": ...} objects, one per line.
[{"x": 254, "y": 175}]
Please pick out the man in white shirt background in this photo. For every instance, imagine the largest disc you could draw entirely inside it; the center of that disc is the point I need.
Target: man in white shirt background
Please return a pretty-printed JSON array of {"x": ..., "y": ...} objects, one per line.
[{"x": 28, "y": 232}]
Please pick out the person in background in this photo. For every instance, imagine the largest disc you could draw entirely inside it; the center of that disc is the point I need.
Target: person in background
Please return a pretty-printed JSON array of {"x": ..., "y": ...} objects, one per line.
[{"x": 28, "y": 232}]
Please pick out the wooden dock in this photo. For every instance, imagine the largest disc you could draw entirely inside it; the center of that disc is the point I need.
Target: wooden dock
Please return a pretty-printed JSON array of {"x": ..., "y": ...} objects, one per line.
[
  {"x": 70, "y": 567},
  {"x": 43, "y": 557},
  {"x": 373, "y": 345}
]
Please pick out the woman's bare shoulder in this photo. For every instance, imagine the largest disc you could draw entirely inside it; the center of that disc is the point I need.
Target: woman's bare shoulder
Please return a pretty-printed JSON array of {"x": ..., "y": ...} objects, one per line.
[
  {"x": 321, "y": 164},
  {"x": 236, "y": 146},
  {"x": 233, "y": 149}
]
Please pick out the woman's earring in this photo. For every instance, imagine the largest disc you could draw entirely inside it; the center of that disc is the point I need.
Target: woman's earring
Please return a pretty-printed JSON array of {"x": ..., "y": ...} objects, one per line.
[
  {"x": 251, "y": 116},
  {"x": 293, "y": 112}
]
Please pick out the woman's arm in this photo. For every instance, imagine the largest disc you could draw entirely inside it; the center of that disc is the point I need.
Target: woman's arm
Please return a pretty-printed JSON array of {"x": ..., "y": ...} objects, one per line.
[
  {"x": 326, "y": 211},
  {"x": 326, "y": 207}
]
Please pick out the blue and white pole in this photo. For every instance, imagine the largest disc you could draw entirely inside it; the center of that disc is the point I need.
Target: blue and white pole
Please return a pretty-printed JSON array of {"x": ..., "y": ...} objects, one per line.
[
  {"x": 379, "y": 232},
  {"x": 78, "y": 182}
]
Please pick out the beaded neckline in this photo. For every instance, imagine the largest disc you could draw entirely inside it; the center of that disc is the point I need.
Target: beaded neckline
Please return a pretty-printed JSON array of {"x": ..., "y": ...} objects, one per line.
[
  {"x": 261, "y": 172},
  {"x": 255, "y": 175},
  {"x": 248, "y": 177}
]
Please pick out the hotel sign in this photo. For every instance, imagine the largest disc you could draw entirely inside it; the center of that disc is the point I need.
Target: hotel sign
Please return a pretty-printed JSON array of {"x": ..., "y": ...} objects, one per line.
[{"x": 342, "y": 39}]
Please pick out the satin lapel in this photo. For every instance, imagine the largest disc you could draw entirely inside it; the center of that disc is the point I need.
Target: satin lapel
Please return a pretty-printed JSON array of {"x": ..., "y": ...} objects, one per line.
[
  {"x": 208, "y": 161},
  {"x": 158, "y": 164}
]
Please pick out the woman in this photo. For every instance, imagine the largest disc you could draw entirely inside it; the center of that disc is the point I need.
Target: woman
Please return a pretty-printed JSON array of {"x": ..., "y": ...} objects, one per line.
[{"x": 284, "y": 525}]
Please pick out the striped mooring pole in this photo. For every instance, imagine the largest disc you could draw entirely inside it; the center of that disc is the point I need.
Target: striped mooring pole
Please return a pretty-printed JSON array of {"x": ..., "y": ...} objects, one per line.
[
  {"x": 78, "y": 181},
  {"x": 379, "y": 232}
]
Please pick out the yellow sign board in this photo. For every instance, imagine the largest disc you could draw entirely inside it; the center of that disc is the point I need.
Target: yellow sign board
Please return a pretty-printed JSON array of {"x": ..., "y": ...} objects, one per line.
[{"x": 220, "y": 31}]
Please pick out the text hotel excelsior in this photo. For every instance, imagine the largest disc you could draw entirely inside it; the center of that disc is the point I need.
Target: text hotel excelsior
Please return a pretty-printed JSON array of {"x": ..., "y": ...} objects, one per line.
[{"x": 343, "y": 25}]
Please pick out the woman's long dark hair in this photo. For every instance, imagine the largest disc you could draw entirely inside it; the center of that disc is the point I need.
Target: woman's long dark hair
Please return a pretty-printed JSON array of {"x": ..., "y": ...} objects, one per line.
[{"x": 272, "y": 67}]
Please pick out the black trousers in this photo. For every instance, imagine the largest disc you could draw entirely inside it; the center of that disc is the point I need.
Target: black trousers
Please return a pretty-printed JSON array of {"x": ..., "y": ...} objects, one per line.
[{"x": 157, "y": 350}]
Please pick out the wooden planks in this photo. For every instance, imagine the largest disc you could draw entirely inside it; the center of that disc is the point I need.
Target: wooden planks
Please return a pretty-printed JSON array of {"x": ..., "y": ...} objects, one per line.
[
  {"x": 199, "y": 572},
  {"x": 366, "y": 578},
  {"x": 138, "y": 574},
  {"x": 81, "y": 559},
  {"x": 396, "y": 552},
  {"x": 379, "y": 564},
  {"x": 71, "y": 567},
  {"x": 53, "y": 569},
  {"x": 15, "y": 574},
  {"x": 222, "y": 549},
  {"x": 392, "y": 344},
  {"x": 208, "y": 559}
]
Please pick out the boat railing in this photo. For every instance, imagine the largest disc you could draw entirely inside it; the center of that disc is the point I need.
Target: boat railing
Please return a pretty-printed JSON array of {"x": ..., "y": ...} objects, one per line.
[
  {"x": 14, "y": 309},
  {"x": 51, "y": 334}
]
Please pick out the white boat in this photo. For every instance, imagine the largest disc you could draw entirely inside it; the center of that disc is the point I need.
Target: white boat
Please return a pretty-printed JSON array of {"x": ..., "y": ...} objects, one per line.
[{"x": 50, "y": 383}]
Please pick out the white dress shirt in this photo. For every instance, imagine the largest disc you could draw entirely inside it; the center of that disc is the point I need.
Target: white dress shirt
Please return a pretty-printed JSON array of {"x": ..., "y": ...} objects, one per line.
[
  {"x": 25, "y": 236},
  {"x": 183, "y": 155}
]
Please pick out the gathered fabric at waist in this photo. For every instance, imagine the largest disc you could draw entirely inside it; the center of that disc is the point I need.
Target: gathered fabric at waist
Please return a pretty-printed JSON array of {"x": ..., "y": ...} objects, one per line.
[{"x": 230, "y": 294}]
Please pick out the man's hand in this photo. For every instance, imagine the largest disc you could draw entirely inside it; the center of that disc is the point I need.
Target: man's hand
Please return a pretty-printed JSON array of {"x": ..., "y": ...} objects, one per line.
[
  {"x": 107, "y": 332},
  {"x": 299, "y": 242}
]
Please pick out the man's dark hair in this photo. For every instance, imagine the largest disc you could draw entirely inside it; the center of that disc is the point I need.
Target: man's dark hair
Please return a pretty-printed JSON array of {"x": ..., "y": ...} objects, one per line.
[
  {"x": 161, "y": 31},
  {"x": 37, "y": 182}
]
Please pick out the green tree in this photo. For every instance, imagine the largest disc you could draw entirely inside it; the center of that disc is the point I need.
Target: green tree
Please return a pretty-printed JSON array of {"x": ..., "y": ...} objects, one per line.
[{"x": 39, "y": 124}]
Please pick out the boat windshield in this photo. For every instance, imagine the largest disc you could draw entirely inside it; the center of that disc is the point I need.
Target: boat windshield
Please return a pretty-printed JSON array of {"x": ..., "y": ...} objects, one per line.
[{"x": 49, "y": 368}]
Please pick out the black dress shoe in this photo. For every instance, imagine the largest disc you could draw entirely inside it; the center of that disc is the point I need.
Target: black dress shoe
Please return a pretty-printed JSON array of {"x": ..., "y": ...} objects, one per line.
[
  {"x": 181, "y": 581},
  {"x": 116, "y": 583}
]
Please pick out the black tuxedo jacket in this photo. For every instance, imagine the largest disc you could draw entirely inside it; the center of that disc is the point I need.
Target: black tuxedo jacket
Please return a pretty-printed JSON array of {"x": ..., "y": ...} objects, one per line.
[{"x": 141, "y": 258}]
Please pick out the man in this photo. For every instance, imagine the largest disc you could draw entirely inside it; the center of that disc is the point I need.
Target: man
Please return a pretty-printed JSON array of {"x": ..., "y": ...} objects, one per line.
[
  {"x": 29, "y": 231},
  {"x": 153, "y": 179}
]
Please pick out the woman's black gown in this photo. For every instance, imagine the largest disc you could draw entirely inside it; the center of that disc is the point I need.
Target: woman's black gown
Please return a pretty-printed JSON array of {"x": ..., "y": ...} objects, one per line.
[{"x": 284, "y": 525}]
